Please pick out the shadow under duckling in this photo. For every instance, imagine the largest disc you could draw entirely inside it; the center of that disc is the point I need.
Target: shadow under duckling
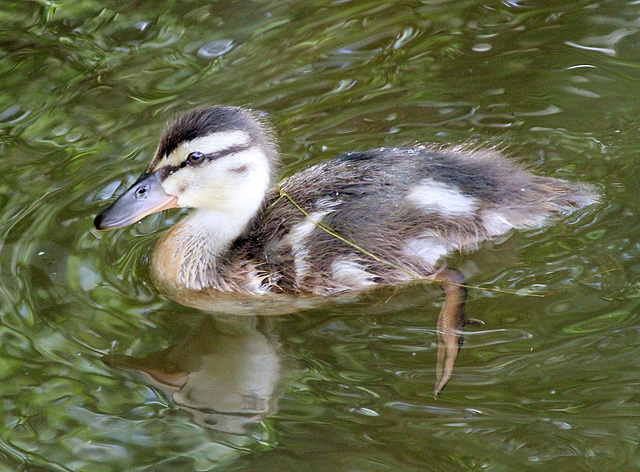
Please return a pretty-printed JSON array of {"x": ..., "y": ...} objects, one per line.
[{"x": 358, "y": 221}]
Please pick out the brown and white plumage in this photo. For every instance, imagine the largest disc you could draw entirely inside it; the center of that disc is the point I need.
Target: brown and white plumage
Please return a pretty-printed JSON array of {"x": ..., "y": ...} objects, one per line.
[{"x": 403, "y": 210}]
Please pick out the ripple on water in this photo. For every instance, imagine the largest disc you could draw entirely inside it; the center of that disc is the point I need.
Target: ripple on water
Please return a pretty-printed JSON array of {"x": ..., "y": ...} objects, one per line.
[{"x": 549, "y": 383}]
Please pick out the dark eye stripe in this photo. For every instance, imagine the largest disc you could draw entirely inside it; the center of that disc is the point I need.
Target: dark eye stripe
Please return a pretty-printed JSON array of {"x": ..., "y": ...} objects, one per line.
[{"x": 168, "y": 170}]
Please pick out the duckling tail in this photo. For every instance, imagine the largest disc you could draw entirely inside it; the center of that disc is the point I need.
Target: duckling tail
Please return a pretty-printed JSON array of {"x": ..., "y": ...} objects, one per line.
[
  {"x": 567, "y": 196},
  {"x": 584, "y": 195}
]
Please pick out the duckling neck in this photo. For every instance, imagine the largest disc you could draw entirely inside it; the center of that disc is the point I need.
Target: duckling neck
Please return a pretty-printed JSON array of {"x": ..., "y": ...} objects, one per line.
[{"x": 188, "y": 255}]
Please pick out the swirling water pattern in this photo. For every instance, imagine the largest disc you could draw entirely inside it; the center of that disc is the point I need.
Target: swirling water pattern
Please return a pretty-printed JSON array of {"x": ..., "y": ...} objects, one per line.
[{"x": 100, "y": 372}]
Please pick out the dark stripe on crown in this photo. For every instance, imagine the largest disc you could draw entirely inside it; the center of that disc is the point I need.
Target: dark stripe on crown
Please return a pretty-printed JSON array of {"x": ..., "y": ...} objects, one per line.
[{"x": 203, "y": 122}]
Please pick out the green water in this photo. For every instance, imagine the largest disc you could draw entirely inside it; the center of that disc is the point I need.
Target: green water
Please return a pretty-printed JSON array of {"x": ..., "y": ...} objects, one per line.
[{"x": 549, "y": 383}]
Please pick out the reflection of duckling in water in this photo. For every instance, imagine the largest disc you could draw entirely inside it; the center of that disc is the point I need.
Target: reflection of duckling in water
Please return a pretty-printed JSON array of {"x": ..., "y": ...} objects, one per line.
[
  {"x": 225, "y": 373},
  {"x": 401, "y": 211}
]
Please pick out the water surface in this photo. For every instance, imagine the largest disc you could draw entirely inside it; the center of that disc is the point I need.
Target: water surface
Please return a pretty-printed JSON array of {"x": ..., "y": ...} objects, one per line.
[{"x": 549, "y": 383}]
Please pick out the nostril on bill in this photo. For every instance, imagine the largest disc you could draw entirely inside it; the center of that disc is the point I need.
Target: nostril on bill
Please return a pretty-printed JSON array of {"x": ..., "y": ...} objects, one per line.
[{"x": 141, "y": 192}]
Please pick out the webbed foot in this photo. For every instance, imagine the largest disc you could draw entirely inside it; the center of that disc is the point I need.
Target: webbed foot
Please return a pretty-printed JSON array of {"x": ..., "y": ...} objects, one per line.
[{"x": 451, "y": 321}]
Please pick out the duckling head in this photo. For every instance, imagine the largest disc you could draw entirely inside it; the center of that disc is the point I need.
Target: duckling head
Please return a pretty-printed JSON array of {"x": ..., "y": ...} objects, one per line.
[{"x": 218, "y": 160}]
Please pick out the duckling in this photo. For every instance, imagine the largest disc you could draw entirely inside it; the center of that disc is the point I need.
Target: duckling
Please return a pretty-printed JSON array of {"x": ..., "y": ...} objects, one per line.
[{"x": 355, "y": 222}]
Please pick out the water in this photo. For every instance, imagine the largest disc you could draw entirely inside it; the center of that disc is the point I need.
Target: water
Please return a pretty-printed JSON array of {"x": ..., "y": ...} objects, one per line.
[{"x": 548, "y": 384}]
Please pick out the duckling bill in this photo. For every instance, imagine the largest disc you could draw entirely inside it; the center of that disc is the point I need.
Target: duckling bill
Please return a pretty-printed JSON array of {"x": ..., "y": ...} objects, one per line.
[
  {"x": 402, "y": 210},
  {"x": 144, "y": 197}
]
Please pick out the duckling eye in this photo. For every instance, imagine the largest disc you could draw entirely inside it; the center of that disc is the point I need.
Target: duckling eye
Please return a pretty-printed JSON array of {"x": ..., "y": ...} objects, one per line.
[{"x": 195, "y": 158}]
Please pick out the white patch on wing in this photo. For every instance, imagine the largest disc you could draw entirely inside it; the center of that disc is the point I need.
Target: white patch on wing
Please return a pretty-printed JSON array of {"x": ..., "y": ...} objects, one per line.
[
  {"x": 297, "y": 240},
  {"x": 495, "y": 223},
  {"x": 443, "y": 198},
  {"x": 349, "y": 273},
  {"x": 327, "y": 203},
  {"x": 255, "y": 280},
  {"x": 428, "y": 249}
]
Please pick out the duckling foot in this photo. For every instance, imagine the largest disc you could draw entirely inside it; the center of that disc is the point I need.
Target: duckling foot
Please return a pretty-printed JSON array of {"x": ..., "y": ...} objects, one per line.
[{"x": 451, "y": 321}]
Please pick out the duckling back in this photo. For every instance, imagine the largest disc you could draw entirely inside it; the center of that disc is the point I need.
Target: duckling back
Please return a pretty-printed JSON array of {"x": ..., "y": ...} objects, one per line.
[{"x": 397, "y": 212}]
